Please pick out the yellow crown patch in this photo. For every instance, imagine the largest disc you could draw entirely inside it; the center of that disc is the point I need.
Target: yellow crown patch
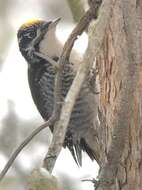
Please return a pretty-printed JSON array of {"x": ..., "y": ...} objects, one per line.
[{"x": 30, "y": 23}]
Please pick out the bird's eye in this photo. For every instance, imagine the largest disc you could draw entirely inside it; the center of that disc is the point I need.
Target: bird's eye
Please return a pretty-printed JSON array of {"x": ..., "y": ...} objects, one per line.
[{"x": 30, "y": 35}]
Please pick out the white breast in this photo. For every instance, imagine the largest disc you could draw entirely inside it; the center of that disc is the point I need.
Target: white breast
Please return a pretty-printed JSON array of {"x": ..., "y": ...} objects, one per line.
[{"x": 51, "y": 46}]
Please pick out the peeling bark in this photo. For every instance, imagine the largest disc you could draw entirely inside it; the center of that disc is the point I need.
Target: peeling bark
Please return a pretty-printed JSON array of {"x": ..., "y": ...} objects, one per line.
[{"x": 122, "y": 44}]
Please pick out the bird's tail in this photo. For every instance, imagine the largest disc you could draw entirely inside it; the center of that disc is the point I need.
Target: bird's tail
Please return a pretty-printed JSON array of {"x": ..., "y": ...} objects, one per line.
[
  {"x": 76, "y": 152},
  {"x": 74, "y": 148},
  {"x": 85, "y": 147}
]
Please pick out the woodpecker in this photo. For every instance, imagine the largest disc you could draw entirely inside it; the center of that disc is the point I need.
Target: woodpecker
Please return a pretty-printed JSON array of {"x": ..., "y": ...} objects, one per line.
[{"x": 40, "y": 36}]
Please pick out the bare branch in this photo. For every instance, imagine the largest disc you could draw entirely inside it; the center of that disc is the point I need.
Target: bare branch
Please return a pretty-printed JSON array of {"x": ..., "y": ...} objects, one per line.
[
  {"x": 61, "y": 126},
  {"x": 51, "y": 121},
  {"x": 85, "y": 20},
  {"x": 54, "y": 64}
]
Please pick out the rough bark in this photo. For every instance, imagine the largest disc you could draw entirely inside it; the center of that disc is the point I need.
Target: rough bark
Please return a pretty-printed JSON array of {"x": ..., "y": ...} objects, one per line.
[{"x": 122, "y": 46}]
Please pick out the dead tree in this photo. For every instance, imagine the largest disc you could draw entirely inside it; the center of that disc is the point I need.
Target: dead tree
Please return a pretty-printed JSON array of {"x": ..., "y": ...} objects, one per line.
[{"x": 120, "y": 76}]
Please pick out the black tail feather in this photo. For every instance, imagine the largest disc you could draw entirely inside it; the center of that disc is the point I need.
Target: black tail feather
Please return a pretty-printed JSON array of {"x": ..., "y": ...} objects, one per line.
[
  {"x": 84, "y": 146},
  {"x": 77, "y": 147},
  {"x": 76, "y": 153},
  {"x": 74, "y": 148}
]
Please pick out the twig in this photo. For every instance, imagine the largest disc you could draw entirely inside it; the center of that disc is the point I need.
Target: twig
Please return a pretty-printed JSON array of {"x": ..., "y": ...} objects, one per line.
[
  {"x": 94, "y": 181},
  {"x": 61, "y": 126},
  {"x": 47, "y": 58},
  {"x": 81, "y": 26},
  {"x": 51, "y": 121}
]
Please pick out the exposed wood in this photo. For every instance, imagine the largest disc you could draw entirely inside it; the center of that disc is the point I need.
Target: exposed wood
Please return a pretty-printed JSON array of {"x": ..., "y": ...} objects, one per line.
[{"x": 120, "y": 95}]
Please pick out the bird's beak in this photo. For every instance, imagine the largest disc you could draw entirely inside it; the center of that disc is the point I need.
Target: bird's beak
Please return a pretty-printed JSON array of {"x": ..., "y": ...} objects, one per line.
[
  {"x": 50, "y": 25},
  {"x": 54, "y": 23}
]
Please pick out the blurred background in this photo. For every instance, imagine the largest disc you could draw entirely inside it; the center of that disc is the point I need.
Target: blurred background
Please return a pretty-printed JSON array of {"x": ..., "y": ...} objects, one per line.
[{"x": 18, "y": 114}]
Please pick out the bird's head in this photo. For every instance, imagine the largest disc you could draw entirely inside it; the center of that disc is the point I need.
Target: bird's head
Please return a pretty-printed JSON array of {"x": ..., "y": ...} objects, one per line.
[{"x": 36, "y": 35}]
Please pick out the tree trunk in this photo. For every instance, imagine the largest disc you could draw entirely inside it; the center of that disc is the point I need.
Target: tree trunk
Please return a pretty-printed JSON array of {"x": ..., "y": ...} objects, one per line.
[{"x": 122, "y": 43}]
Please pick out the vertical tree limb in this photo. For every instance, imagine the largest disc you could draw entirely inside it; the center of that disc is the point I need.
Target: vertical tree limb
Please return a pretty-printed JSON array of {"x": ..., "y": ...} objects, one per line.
[
  {"x": 66, "y": 108},
  {"x": 124, "y": 112}
]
